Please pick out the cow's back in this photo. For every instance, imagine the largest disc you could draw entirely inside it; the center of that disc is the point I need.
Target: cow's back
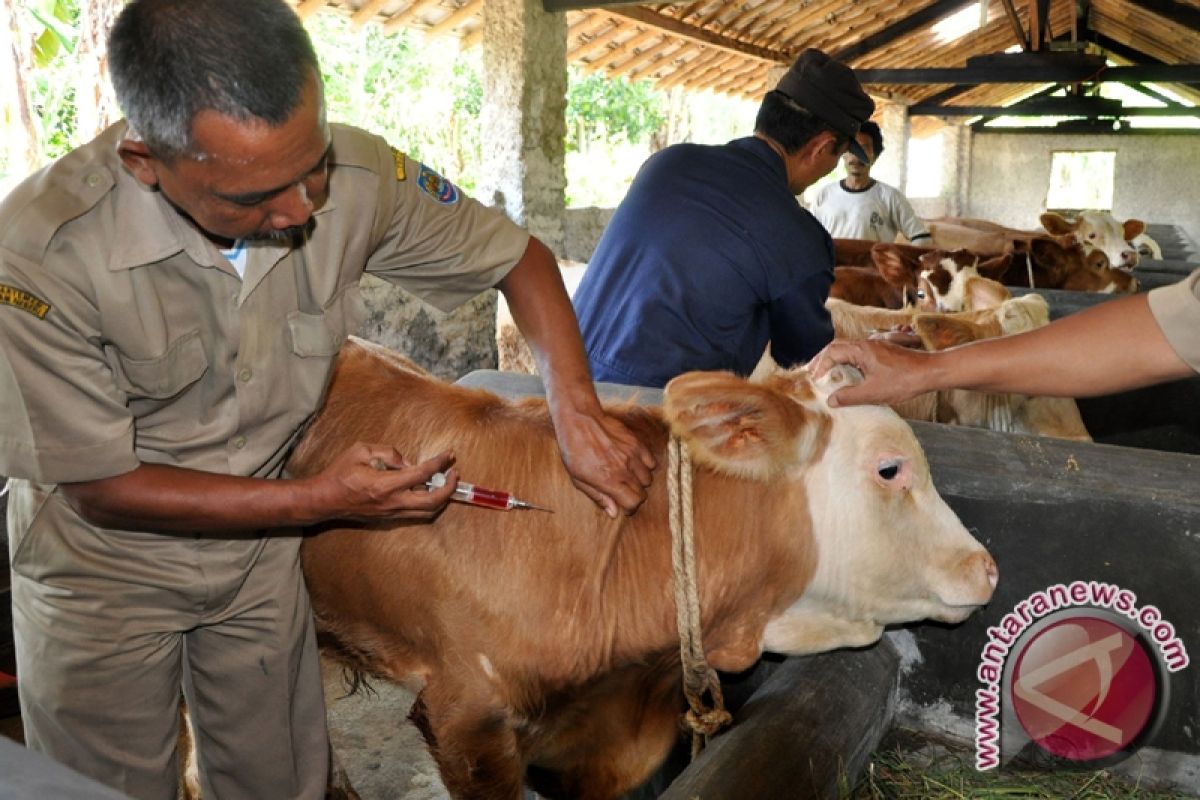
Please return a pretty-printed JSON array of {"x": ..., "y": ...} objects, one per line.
[{"x": 397, "y": 595}]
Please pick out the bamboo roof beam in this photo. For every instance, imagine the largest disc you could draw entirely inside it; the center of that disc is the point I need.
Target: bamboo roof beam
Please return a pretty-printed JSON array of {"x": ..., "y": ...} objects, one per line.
[
  {"x": 673, "y": 62},
  {"x": 630, "y": 67},
  {"x": 693, "y": 66},
  {"x": 598, "y": 42},
  {"x": 717, "y": 66},
  {"x": 736, "y": 85},
  {"x": 456, "y": 18},
  {"x": 364, "y": 14},
  {"x": 737, "y": 73},
  {"x": 750, "y": 15},
  {"x": 712, "y": 17},
  {"x": 412, "y": 12},
  {"x": 308, "y": 7},
  {"x": 677, "y": 28},
  {"x": 602, "y": 60},
  {"x": 683, "y": 12}
]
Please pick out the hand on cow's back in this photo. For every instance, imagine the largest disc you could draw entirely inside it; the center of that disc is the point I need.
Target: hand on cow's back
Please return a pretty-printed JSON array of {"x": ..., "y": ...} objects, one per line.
[
  {"x": 375, "y": 481},
  {"x": 606, "y": 461}
]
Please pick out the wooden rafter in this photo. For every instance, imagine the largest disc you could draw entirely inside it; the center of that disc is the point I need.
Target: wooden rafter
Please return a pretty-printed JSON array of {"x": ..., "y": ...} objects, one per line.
[
  {"x": 407, "y": 15},
  {"x": 598, "y": 43},
  {"x": 365, "y": 12},
  {"x": 673, "y": 26},
  {"x": 468, "y": 10},
  {"x": 628, "y": 46}
]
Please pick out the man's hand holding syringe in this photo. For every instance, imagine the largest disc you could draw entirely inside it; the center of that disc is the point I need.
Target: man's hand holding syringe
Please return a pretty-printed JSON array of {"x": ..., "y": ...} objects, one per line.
[{"x": 354, "y": 488}]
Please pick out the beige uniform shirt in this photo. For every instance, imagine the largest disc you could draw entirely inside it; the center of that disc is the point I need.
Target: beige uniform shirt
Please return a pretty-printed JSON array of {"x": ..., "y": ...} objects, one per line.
[
  {"x": 1176, "y": 308},
  {"x": 126, "y": 337}
]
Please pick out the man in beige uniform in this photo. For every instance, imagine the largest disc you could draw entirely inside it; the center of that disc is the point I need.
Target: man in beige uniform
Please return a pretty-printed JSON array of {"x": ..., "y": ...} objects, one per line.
[
  {"x": 1159, "y": 335},
  {"x": 171, "y": 302}
]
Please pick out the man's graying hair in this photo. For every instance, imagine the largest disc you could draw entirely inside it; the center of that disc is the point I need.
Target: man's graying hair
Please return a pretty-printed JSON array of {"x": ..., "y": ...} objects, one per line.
[
  {"x": 170, "y": 59},
  {"x": 788, "y": 124}
]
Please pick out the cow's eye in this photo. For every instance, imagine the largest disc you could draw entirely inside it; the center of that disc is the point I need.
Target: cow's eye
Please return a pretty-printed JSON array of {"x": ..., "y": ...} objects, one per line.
[
  {"x": 1091, "y": 236},
  {"x": 889, "y": 469},
  {"x": 920, "y": 294}
]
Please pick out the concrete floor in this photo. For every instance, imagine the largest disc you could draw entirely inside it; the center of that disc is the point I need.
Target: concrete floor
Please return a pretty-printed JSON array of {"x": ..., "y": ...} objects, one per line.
[{"x": 381, "y": 751}]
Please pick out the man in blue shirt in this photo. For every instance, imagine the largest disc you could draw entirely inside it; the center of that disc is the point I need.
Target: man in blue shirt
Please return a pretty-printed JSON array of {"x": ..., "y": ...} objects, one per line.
[{"x": 710, "y": 256}]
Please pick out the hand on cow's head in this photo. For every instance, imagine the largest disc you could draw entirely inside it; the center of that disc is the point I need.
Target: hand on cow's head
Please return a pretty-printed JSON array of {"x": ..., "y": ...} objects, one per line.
[
  {"x": 754, "y": 430},
  {"x": 835, "y": 378}
]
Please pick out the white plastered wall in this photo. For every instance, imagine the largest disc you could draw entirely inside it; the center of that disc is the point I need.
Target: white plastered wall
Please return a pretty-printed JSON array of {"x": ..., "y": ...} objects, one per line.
[{"x": 1156, "y": 177}]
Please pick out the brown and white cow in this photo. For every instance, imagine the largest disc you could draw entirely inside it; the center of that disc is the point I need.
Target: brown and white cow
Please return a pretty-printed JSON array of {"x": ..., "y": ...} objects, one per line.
[
  {"x": 868, "y": 286},
  {"x": 881, "y": 274},
  {"x": 1100, "y": 230},
  {"x": 943, "y": 277},
  {"x": 1039, "y": 262},
  {"x": 545, "y": 645}
]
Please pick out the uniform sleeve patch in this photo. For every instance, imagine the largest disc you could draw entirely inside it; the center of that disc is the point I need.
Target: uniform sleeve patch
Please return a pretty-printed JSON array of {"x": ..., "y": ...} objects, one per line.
[
  {"x": 398, "y": 157},
  {"x": 17, "y": 298},
  {"x": 437, "y": 187}
]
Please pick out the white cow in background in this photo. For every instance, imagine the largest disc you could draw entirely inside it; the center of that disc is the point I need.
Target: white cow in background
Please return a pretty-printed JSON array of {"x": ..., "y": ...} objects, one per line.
[{"x": 1100, "y": 230}]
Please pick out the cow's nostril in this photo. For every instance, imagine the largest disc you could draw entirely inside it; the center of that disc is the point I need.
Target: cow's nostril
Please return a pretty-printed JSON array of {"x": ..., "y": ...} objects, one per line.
[{"x": 990, "y": 569}]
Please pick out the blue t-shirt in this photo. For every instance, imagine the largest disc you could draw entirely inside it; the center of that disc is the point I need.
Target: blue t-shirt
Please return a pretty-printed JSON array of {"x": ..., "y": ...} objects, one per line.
[{"x": 708, "y": 258}]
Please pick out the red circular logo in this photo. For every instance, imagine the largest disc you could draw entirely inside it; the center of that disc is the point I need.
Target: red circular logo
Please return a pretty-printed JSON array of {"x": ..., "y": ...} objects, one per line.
[{"x": 1083, "y": 688}]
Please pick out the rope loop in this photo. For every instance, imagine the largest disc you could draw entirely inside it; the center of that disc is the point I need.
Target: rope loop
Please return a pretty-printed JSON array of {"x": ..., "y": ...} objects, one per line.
[{"x": 699, "y": 678}]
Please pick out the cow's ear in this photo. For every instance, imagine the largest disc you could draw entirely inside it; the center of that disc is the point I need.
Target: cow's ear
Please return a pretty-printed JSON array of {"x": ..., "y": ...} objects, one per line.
[
  {"x": 938, "y": 331},
  {"x": 1057, "y": 223},
  {"x": 1133, "y": 228},
  {"x": 891, "y": 264},
  {"x": 983, "y": 293},
  {"x": 995, "y": 267},
  {"x": 742, "y": 428}
]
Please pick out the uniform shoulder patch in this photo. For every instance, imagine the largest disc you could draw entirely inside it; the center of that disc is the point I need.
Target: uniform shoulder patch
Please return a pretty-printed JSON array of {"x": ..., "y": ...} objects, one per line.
[
  {"x": 437, "y": 187},
  {"x": 398, "y": 157},
  {"x": 18, "y": 298}
]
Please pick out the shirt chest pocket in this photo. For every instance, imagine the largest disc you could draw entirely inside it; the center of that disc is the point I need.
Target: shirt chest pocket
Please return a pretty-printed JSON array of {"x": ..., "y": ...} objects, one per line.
[
  {"x": 320, "y": 335},
  {"x": 162, "y": 377}
]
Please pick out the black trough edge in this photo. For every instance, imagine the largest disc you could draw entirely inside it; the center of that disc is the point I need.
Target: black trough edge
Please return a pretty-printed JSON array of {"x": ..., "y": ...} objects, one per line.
[{"x": 807, "y": 731}]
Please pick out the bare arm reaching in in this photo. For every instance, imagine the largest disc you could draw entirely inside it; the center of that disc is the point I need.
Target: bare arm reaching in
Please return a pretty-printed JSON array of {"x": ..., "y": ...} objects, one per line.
[{"x": 1108, "y": 348}]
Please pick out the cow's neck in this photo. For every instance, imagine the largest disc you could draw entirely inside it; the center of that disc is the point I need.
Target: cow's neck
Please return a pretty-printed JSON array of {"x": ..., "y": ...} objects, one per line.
[{"x": 753, "y": 554}]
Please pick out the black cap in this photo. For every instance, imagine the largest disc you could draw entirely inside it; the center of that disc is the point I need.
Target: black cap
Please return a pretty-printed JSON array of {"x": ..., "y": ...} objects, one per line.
[{"x": 828, "y": 90}]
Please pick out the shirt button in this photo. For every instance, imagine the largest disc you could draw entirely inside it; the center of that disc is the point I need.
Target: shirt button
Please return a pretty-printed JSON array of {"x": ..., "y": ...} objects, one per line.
[
  {"x": 245, "y": 374},
  {"x": 93, "y": 179},
  {"x": 239, "y": 442}
]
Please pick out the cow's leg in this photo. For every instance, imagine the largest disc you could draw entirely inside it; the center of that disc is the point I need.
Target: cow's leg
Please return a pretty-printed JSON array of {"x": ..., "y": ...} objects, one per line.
[
  {"x": 472, "y": 742},
  {"x": 339, "y": 787},
  {"x": 610, "y": 737},
  {"x": 617, "y": 764}
]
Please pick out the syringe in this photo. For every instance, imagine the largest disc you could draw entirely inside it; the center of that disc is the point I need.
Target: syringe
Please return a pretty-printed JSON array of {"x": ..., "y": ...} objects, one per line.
[{"x": 478, "y": 496}]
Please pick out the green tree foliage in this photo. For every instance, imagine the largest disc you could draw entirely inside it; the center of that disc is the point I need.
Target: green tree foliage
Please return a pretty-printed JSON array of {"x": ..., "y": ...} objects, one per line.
[
  {"x": 49, "y": 29},
  {"x": 607, "y": 109},
  {"x": 424, "y": 98}
]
